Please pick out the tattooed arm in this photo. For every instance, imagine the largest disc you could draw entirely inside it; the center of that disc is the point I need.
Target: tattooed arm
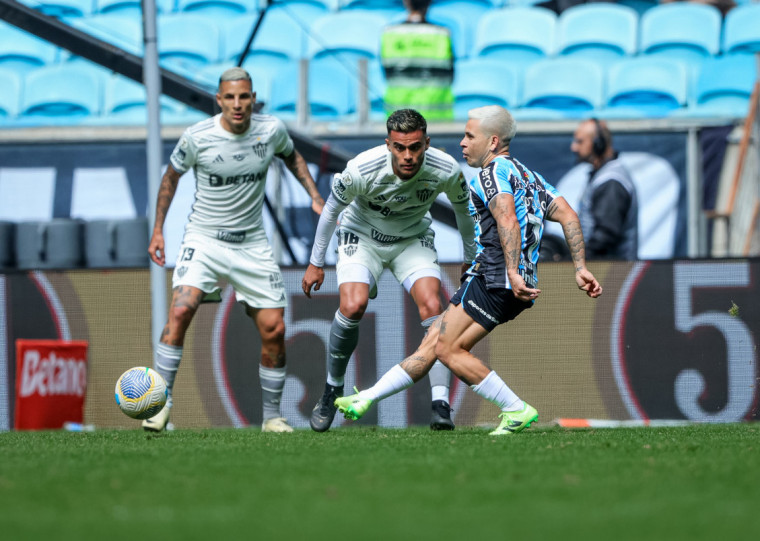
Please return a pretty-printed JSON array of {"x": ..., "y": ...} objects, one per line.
[
  {"x": 297, "y": 165},
  {"x": 165, "y": 195},
  {"x": 560, "y": 211},
  {"x": 502, "y": 208}
]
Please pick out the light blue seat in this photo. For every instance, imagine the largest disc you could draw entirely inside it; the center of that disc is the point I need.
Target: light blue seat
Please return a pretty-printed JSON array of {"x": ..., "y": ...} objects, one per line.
[
  {"x": 10, "y": 94},
  {"x": 350, "y": 35},
  {"x": 518, "y": 35},
  {"x": 391, "y": 10},
  {"x": 724, "y": 87},
  {"x": 741, "y": 30},
  {"x": 331, "y": 95},
  {"x": 484, "y": 81},
  {"x": 686, "y": 31},
  {"x": 22, "y": 51},
  {"x": 187, "y": 41},
  {"x": 125, "y": 102},
  {"x": 571, "y": 86},
  {"x": 651, "y": 86},
  {"x": 60, "y": 94},
  {"x": 123, "y": 31},
  {"x": 600, "y": 31},
  {"x": 461, "y": 18},
  {"x": 304, "y": 11},
  {"x": 63, "y": 8},
  {"x": 269, "y": 46},
  {"x": 218, "y": 9},
  {"x": 131, "y": 8}
]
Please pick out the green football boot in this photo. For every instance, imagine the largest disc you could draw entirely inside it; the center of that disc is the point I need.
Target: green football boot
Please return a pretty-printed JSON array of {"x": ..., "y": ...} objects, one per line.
[
  {"x": 353, "y": 407},
  {"x": 513, "y": 422}
]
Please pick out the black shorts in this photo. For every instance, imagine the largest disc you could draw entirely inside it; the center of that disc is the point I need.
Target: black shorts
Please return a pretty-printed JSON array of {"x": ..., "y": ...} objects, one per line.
[{"x": 488, "y": 307}]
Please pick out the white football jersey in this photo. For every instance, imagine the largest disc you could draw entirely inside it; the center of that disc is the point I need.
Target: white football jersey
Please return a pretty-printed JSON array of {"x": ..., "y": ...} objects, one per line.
[
  {"x": 385, "y": 208},
  {"x": 230, "y": 172}
]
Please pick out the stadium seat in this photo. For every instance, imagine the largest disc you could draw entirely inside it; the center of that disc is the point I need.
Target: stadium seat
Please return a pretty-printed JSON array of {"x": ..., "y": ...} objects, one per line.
[
  {"x": 113, "y": 243},
  {"x": 640, "y": 6},
  {"x": 125, "y": 102},
  {"x": 331, "y": 95},
  {"x": 600, "y": 31},
  {"x": 52, "y": 244},
  {"x": 120, "y": 30},
  {"x": 570, "y": 86},
  {"x": 461, "y": 18},
  {"x": 130, "y": 8},
  {"x": 391, "y": 10},
  {"x": 178, "y": 51},
  {"x": 686, "y": 31},
  {"x": 518, "y": 35},
  {"x": 741, "y": 30},
  {"x": 60, "y": 94},
  {"x": 10, "y": 95},
  {"x": 646, "y": 86},
  {"x": 349, "y": 35},
  {"x": 268, "y": 48},
  {"x": 217, "y": 9},
  {"x": 304, "y": 11},
  {"x": 483, "y": 81},
  {"x": 724, "y": 87},
  {"x": 22, "y": 51},
  {"x": 64, "y": 8}
]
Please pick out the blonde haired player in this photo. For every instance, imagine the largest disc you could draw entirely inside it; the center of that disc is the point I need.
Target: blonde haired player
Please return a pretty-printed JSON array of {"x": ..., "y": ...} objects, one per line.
[{"x": 230, "y": 154}]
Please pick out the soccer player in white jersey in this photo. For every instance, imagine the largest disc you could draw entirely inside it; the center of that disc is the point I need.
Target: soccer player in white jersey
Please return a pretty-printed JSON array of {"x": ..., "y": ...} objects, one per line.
[
  {"x": 230, "y": 154},
  {"x": 385, "y": 194},
  {"x": 511, "y": 203}
]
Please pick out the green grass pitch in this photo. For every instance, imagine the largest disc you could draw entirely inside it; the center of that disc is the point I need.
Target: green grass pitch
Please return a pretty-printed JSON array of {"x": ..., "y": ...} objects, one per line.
[{"x": 694, "y": 482}]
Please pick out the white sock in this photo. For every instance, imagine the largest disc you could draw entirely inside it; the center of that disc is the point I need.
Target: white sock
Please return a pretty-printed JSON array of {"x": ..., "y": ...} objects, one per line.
[
  {"x": 167, "y": 363},
  {"x": 272, "y": 382},
  {"x": 493, "y": 389},
  {"x": 394, "y": 380}
]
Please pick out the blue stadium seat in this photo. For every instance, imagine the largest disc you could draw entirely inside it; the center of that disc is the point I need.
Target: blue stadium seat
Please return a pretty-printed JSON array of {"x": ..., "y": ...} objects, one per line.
[
  {"x": 331, "y": 96},
  {"x": 187, "y": 41},
  {"x": 646, "y": 86},
  {"x": 686, "y": 31},
  {"x": 10, "y": 95},
  {"x": 304, "y": 11},
  {"x": 125, "y": 102},
  {"x": 60, "y": 94},
  {"x": 741, "y": 30},
  {"x": 518, "y": 35},
  {"x": 724, "y": 87},
  {"x": 600, "y": 31},
  {"x": 570, "y": 86},
  {"x": 484, "y": 81},
  {"x": 131, "y": 8},
  {"x": 63, "y": 8},
  {"x": 218, "y": 9},
  {"x": 123, "y": 31},
  {"x": 461, "y": 18},
  {"x": 349, "y": 35},
  {"x": 22, "y": 51},
  {"x": 269, "y": 47},
  {"x": 391, "y": 10}
]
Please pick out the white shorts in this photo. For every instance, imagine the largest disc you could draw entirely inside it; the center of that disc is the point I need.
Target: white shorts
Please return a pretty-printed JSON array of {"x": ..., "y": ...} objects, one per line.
[
  {"x": 249, "y": 268},
  {"x": 408, "y": 260}
]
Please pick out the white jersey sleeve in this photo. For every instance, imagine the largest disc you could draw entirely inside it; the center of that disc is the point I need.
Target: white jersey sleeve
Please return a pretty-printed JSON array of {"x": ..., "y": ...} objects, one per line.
[{"x": 458, "y": 194}]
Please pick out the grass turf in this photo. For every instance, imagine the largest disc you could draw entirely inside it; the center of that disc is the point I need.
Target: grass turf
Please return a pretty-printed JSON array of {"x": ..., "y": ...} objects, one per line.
[{"x": 695, "y": 482}]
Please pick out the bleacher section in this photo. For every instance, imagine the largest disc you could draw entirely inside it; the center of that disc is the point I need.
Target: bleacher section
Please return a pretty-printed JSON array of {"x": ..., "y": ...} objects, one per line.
[{"x": 611, "y": 60}]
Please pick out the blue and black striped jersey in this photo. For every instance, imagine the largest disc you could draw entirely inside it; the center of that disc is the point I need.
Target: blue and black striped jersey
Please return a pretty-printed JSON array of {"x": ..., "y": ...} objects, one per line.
[{"x": 532, "y": 195}]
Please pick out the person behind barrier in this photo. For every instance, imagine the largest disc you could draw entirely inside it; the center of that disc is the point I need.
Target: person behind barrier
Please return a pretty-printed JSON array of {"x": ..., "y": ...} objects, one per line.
[
  {"x": 418, "y": 62},
  {"x": 609, "y": 207},
  {"x": 224, "y": 239}
]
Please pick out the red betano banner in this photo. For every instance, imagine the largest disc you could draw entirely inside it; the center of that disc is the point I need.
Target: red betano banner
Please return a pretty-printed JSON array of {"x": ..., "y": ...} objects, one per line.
[{"x": 51, "y": 383}]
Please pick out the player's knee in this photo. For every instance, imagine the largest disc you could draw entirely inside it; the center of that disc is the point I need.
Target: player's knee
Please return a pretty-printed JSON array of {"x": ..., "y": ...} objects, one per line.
[
  {"x": 272, "y": 330},
  {"x": 443, "y": 350},
  {"x": 353, "y": 308},
  {"x": 429, "y": 308}
]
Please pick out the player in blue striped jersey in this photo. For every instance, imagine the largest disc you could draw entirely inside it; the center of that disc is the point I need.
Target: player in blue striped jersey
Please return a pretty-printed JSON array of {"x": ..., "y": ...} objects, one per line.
[{"x": 510, "y": 204}]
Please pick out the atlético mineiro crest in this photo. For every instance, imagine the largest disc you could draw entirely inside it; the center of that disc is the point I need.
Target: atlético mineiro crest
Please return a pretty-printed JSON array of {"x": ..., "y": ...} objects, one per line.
[
  {"x": 424, "y": 194},
  {"x": 260, "y": 149}
]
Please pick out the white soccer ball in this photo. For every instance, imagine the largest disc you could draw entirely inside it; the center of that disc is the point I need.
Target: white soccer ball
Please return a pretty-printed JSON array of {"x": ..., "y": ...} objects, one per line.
[{"x": 141, "y": 392}]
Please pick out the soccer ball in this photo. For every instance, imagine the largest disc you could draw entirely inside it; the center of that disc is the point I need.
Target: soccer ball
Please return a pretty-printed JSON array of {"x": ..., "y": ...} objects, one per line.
[{"x": 141, "y": 392}]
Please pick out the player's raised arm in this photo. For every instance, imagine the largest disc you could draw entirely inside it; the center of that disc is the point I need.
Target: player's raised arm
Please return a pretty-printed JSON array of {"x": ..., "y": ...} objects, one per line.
[
  {"x": 560, "y": 211},
  {"x": 166, "y": 192},
  {"x": 297, "y": 165}
]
